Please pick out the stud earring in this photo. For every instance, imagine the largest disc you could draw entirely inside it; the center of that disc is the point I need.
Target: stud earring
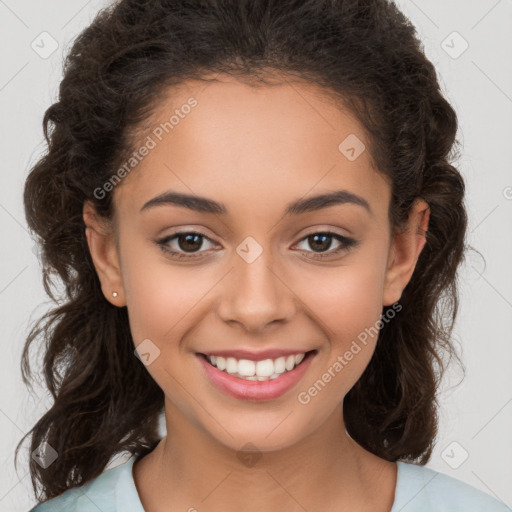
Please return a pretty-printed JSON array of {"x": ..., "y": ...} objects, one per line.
[{"x": 114, "y": 294}]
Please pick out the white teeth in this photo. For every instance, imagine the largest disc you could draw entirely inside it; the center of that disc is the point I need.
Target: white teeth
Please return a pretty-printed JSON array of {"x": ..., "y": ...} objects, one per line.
[
  {"x": 264, "y": 368},
  {"x": 220, "y": 362},
  {"x": 290, "y": 363},
  {"x": 256, "y": 370},
  {"x": 280, "y": 365},
  {"x": 299, "y": 358},
  {"x": 246, "y": 368}
]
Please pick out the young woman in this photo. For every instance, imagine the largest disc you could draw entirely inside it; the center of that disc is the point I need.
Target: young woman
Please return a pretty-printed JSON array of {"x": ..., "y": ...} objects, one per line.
[{"x": 252, "y": 208}]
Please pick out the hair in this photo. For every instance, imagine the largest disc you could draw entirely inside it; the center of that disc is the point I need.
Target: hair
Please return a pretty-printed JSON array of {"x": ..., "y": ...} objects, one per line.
[{"x": 364, "y": 52}]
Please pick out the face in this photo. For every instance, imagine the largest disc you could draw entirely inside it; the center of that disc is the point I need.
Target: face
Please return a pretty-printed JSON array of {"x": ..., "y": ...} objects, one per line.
[{"x": 257, "y": 269}]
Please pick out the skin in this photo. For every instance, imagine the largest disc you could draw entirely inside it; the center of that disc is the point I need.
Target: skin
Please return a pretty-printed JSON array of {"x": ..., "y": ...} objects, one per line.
[{"x": 255, "y": 150}]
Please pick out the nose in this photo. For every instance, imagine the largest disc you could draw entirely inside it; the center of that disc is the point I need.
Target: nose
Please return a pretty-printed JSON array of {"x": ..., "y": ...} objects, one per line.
[{"x": 254, "y": 295}]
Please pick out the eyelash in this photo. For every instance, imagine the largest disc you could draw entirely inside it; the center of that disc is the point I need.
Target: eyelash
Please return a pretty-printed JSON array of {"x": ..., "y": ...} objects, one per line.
[{"x": 347, "y": 244}]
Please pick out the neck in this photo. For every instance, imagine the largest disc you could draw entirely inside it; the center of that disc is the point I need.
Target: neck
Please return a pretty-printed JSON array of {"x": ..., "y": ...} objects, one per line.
[{"x": 191, "y": 469}]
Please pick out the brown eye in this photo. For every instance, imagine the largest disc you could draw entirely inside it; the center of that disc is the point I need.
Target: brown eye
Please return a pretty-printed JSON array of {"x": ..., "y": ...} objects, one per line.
[
  {"x": 189, "y": 241},
  {"x": 185, "y": 244},
  {"x": 321, "y": 242}
]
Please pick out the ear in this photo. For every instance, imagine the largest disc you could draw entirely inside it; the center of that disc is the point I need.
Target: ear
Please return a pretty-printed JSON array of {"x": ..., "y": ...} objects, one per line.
[
  {"x": 104, "y": 254},
  {"x": 405, "y": 249}
]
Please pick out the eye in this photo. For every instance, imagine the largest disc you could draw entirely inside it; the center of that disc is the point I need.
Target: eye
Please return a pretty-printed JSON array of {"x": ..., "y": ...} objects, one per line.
[
  {"x": 322, "y": 241},
  {"x": 187, "y": 244}
]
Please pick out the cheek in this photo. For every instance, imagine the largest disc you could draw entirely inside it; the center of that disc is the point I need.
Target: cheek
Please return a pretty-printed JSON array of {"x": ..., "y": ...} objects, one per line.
[
  {"x": 347, "y": 302},
  {"x": 159, "y": 294},
  {"x": 347, "y": 299}
]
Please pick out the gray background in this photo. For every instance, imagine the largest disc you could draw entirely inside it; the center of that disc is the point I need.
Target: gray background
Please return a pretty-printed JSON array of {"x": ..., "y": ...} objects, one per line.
[{"x": 476, "y": 416}]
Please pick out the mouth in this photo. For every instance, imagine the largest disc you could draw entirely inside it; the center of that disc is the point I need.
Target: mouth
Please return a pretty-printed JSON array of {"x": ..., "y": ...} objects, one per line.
[
  {"x": 257, "y": 369},
  {"x": 256, "y": 379}
]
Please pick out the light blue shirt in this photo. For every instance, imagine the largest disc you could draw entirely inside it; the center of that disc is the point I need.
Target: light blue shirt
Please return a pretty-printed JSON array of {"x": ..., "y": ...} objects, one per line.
[{"x": 418, "y": 489}]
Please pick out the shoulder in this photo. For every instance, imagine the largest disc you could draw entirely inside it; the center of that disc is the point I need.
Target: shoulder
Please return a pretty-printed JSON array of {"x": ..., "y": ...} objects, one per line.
[
  {"x": 108, "y": 492},
  {"x": 422, "y": 489}
]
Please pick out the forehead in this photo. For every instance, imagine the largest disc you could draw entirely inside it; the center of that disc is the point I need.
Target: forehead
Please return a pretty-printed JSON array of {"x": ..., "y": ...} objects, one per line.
[{"x": 261, "y": 146}]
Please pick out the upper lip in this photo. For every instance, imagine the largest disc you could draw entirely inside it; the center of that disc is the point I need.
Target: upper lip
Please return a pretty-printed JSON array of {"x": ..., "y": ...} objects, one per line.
[{"x": 255, "y": 356}]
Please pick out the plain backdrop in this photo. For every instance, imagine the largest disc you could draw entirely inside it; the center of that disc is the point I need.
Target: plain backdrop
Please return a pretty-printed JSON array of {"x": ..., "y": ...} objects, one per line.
[{"x": 470, "y": 43}]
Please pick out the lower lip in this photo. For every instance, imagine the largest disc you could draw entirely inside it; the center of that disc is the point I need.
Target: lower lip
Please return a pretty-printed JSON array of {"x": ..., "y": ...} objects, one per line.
[{"x": 255, "y": 389}]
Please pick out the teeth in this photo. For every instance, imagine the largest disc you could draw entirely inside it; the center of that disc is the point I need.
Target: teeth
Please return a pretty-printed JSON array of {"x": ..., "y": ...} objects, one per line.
[
  {"x": 264, "y": 368},
  {"x": 220, "y": 363},
  {"x": 244, "y": 367},
  {"x": 256, "y": 370},
  {"x": 280, "y": 365},
  {"x": 231, "y": 365}
]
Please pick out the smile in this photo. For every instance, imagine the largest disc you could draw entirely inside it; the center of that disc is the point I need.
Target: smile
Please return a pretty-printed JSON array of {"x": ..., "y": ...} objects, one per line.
[
  {"x": 256, "y": 379},
  {"x": 256, "y": 370}
]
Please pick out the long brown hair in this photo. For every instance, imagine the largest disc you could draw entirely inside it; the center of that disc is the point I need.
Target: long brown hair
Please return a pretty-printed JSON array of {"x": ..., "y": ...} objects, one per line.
[{"x": 367, "y": 53}]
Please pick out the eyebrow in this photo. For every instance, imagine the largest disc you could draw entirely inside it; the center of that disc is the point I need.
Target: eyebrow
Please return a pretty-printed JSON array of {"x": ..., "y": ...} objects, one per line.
[{"x": 310, "y": 204}]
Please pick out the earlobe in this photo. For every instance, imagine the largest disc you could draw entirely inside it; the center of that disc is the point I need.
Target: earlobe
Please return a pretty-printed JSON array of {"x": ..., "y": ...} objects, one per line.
[
  {"x": 104, "y": 254},
  {"x": 404, "y": 252}
]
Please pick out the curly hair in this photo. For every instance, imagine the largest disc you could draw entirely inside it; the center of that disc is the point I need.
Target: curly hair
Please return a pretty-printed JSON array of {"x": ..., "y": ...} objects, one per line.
[{"x": 367, "y": 54}]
